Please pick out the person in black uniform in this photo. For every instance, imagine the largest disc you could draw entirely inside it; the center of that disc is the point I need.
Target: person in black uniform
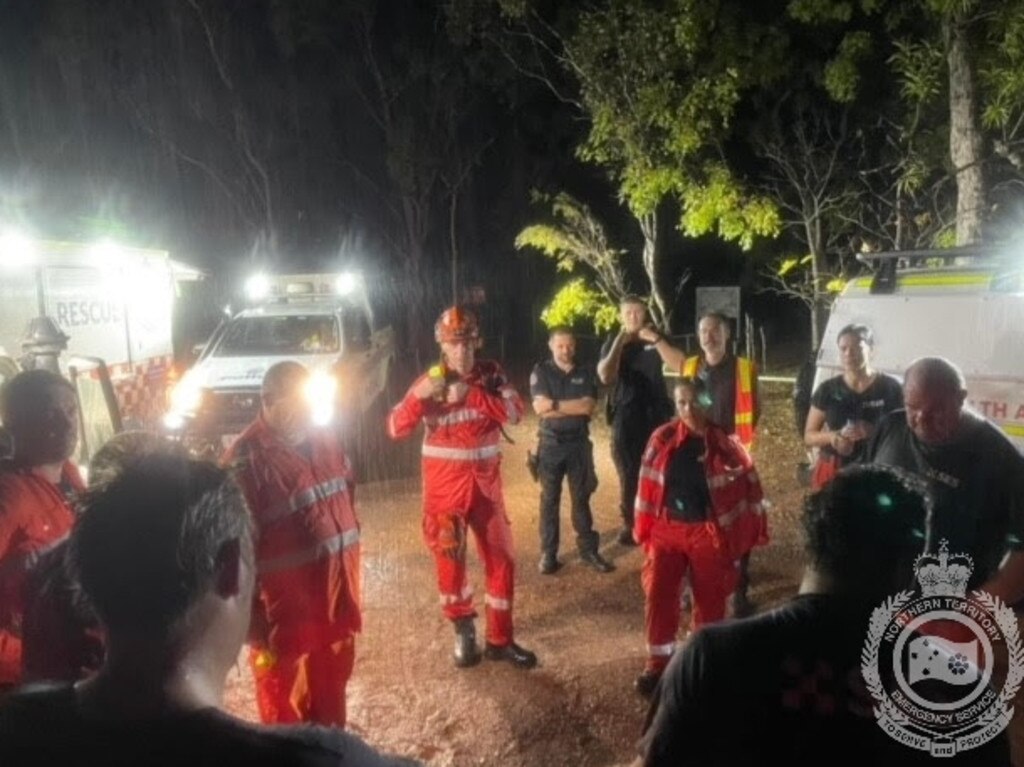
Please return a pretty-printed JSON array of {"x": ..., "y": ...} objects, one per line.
[
  {"x": 845, "y": 409},
  {"x": 564, "y": 396},
  {"x": 638, "y": 402}
]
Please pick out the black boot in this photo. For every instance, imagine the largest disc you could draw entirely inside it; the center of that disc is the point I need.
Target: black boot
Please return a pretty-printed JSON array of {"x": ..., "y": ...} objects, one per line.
[
  {"x": 466, "y": 652},
  {"x": 596, "y": 561},
  {"x": 513, "y": 653},
  {"x": 647, "y": 682}
]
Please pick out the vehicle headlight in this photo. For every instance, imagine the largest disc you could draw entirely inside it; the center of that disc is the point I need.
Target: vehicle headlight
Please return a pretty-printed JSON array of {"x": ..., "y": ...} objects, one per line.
[
  {"x": 186, "y": 397},
  {"x": 320, "y": 390}
]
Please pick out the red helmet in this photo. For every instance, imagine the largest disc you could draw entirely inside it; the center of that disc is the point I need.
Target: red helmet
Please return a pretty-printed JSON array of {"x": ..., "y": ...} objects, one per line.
[{"x": 456, "y": 324}]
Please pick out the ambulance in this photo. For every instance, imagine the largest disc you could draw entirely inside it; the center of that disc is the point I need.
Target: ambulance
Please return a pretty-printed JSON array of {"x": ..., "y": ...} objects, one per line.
[
  {"x": 113, "y": 303},
  {"x": 964, "y": 304},
  {"x": 322, "y": 321}
]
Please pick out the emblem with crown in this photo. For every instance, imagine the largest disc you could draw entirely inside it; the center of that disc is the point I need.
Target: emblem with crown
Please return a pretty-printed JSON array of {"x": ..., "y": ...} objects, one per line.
[{"x": 944, "y": 575}]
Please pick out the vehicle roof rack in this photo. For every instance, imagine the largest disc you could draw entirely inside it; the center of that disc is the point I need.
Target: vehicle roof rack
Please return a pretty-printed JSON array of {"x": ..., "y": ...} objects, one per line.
[{"x": 886, "y": 264}]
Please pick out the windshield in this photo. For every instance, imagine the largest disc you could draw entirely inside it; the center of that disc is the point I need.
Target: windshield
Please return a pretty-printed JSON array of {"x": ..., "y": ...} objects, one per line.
[{"x": 280, "y": 336}]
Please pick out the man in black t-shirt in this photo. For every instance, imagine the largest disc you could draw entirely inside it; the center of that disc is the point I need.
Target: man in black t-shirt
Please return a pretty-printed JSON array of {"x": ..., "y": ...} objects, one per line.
[
  {"x": 785, "y": 687},
  {"x": 564, "y": 396},
  {"x": 637, "y": 403},
  {"x": 164, "y": 554},
  {"x": 974, "y": 472}
]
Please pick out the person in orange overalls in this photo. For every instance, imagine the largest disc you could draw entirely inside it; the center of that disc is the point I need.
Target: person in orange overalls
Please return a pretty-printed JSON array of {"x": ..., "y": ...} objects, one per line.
[
  {"x": 698, "y": 510},
  {"x": 39, "y": 410},
  {"x": 300, "y": 489},
  {"x": 463, "y": 404}
]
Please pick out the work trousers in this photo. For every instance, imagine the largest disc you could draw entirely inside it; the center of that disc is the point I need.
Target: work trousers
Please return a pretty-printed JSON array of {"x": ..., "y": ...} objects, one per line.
[
  {"x": 628, "y": 443},
  {"x": 573, "y": 459},
  {"x": 303, "y": 686},
  {"x": 673, "y": 549},
  {"x": 445, "y": 534}
]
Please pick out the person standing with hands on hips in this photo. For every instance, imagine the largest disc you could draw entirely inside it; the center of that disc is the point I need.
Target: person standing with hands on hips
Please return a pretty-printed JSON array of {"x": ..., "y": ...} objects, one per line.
[{"x": 638, "y": 402}]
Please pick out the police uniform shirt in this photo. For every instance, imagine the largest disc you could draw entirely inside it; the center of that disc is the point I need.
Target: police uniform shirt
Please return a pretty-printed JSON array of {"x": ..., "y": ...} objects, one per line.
[{"x": 549, "y": 380}]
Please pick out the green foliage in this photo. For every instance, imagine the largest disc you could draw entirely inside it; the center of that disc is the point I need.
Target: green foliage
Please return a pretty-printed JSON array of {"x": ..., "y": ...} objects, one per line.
[
  {"x": 821, "y": 11},
  {"x": 660, "y": 84},
  {"x": 842, "y": 73},
  {"x": 717, "y": 203},
  {"x": 946, "y": 238},
  {"x": 577, "y": 302},
  {"x": 920, "y": 65}
]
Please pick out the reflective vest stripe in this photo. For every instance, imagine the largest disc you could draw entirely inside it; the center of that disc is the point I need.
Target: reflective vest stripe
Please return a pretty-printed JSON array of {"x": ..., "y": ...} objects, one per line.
[
  {"x": 720, "y": 481},
  {"x": 497, "y": 603},
  {"x": 654, "y": 475},
  {"x": 663, "y": 650},
  {"x": 744, "y": 416},
  {"x": 304, "y": 498},
  {"x": 726, "y": 520},
  {"x": 318, "y": 551},
  {"x": 450, "y": 599},
  {"x": 462, "y": 415},
  {"x": 643, "y": 507},
  {"x": 461, "y": 454}
]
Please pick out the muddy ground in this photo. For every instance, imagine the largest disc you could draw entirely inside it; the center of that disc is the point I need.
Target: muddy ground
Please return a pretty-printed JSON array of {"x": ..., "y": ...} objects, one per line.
[{"x": 578, "y": 707}]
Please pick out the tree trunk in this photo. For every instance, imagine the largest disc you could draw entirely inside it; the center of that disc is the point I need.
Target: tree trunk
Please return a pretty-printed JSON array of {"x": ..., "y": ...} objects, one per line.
[
  {"x": 819, "y": 301},
  {"x": 965, "y": 140},
  {"x": 649, "y": 228}
]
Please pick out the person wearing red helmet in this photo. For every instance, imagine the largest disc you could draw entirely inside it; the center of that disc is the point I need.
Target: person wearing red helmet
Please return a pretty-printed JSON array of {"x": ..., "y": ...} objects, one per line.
[{"x": 463, "y": 404}]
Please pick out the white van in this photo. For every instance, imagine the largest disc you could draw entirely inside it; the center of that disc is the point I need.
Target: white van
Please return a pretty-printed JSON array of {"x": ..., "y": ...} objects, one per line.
[{"x": 966, "y": 305}]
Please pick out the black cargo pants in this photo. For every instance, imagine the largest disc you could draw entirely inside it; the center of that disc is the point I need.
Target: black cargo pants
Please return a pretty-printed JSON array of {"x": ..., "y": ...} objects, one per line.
[{"x": 573, "y": 459}]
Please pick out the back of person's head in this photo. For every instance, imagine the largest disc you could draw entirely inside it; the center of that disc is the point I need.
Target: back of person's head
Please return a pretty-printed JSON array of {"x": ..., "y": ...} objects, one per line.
[
  {"x": 866, "y": 527},
  {"x": 124, "y": 449},
  {"x": 26, "y": 395},
  {"x": 149, "y": 542}
]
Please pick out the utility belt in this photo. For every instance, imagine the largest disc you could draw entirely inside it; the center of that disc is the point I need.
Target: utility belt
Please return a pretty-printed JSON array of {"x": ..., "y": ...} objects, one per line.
[{"x": 562, "y": 438}]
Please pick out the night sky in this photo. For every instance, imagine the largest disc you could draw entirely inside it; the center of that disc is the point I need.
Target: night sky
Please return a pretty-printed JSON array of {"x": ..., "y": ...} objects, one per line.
[{"x": 251, "y": 133}]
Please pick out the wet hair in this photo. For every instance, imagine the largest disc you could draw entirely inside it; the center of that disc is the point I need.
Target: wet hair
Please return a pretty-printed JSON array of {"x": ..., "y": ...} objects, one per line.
[
  {"x": 25, "y": 394},
  {"x": 866, "y": 527},
  {"x": 632, "y": 298},
  {"x": 697, "y": 386},
  {"x": 718, "y": 317},
  {"x": 862, "y": 332},
  {"x": 280, "y": 380},
  {"x": 560, "y": 330},
  {"x": 937, "y": 373},
  {"x": 145, "y": 547},
  {"x": 123, "y": 449}
]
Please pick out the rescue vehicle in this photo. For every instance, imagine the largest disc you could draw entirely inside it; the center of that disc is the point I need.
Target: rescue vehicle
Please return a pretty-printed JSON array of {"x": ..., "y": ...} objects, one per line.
[
  {"x": 112, "y": 306},
  {"x": 322, "y": 321},
  {"x": 964, "y": 304}
]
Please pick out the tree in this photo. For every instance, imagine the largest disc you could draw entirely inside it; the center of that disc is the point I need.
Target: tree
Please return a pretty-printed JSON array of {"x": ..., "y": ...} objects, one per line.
[
  {"x": 576, "y": 239},
  {"x": 658, "y": 84},
  {"x": 961, "y": 51},
  {"x": 808, "y": 146}
]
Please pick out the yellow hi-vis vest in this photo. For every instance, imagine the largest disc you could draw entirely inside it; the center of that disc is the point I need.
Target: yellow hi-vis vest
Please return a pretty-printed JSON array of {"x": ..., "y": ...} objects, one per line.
[{"x": 744, "y": 415}]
